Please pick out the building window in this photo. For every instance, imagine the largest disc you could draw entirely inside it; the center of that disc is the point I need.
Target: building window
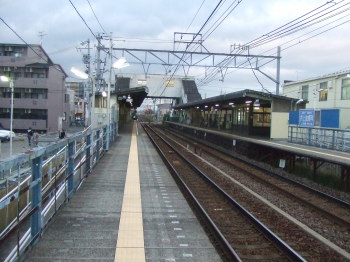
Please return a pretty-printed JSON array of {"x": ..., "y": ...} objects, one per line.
[
  {"x": 323, "y": 91},
  {"x": 345, "y": 89},
  {"x": 305, "y": 92},
  {"x": 66, "y": 98}
]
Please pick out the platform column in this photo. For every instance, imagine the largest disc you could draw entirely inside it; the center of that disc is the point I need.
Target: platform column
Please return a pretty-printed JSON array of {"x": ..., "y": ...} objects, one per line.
[
  {"x": 35, "y": 219},
  {"x": 70, "y": 176}
]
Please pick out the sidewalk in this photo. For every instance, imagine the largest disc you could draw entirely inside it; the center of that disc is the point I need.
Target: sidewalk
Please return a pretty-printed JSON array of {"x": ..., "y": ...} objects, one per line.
[{"x": 20, "y": 143}]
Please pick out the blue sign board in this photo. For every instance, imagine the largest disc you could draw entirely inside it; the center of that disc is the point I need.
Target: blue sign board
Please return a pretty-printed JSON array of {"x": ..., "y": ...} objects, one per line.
[
  {"x": 307, "y": 117},
  {"x": 330, "y": 118}
]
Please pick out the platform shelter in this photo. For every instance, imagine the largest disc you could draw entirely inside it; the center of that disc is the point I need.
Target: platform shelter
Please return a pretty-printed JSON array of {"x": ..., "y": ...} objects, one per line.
[{"x": 246, "y": 112}]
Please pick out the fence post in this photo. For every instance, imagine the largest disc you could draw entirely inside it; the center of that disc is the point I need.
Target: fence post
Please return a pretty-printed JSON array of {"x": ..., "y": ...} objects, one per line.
[
  {"x": 309, "y": 136},
  {"x": 98, "y": 144},
  {"x": 70, "y": 168},
  {"x": 88, "y": 152},
  {"x": 35, "y": 219}
]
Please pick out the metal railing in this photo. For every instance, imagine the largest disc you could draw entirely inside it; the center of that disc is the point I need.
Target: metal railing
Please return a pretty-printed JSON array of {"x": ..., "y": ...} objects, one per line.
[
  {"x": 34, "y": 186},
  {"x": 336, "y": 139}
]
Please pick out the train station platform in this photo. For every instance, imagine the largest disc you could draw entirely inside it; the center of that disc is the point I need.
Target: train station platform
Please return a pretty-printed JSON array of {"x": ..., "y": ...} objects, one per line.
[
  {"x": 128, "y": 209},
  {"x": 327, "y": 155}
]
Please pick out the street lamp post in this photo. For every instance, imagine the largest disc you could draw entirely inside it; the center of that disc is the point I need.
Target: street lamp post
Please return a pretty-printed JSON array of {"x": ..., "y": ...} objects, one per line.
[
  {"x": 11, "y": 120},
  {"x": 7, "y": 79},
  {"x": 85, "y": 76},
  {"x": 120, "y": 63}
]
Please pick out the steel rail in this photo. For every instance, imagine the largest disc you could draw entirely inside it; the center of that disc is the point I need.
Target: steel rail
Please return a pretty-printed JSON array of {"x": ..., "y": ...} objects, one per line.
[
  {"x": 225, "y": 245},
  {"x": 291, "y": 253},
  {"x": 271, "y": 173}
]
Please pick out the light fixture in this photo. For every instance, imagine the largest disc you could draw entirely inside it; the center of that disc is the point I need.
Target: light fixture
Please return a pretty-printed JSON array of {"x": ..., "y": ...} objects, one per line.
[
  {"x": 256, "y": 103},
  {"x": 231, "y": 103},
  {"x": 4, "y": 79},
  {"x": 299, "y": 101},
  {"x": 79, "y": 73},
  {"x": 104, "y": 94},
  {"x": 206, "y": 106},
  {"x": 248, "y": 102},
  {"x": 217, "y": 105},
  {"x": 197, "y": 107},
  {"x": 120, "y": 63}
]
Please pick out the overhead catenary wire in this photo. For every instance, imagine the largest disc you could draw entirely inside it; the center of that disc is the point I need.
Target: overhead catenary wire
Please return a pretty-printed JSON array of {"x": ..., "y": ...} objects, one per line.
[
  {"x": 303, "y": 40},
  {"x": 299, "y": 27},
  {"x": 194, "y": 17},
  {"x": 178, "y": 64},
  {"x": 320, "y": 18},
  {"x": 228, "y": 60}
]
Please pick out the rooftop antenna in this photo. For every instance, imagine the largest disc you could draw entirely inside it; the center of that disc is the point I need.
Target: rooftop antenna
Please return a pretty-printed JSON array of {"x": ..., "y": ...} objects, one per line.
[{"x": 41, "y": 35}]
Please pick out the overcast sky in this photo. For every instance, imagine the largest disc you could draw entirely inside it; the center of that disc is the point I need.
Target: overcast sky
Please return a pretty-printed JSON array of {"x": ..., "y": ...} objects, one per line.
[{"x": 132, "y": 20}]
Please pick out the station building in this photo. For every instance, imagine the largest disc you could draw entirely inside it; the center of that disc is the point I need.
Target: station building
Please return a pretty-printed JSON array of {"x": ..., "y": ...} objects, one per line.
[{"x": 246, "y": 112}]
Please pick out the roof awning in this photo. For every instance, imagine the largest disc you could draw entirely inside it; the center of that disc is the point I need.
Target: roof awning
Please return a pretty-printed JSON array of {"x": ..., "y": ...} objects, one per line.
[{"x": 137, "y": 94}]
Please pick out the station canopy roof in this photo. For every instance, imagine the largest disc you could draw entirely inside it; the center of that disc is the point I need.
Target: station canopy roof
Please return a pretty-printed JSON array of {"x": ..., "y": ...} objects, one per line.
[
  {"x": 239, "y": 97},
  {"x": 137, "y": 94}
]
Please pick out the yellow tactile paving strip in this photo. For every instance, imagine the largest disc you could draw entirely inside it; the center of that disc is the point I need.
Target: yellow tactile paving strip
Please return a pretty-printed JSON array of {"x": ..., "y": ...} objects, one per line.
[{"x": 130, "y": 243}]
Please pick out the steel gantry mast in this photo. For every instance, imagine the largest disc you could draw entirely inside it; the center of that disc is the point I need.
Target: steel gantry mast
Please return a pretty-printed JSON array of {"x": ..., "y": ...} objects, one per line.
[{"x": 189, "y": 58}]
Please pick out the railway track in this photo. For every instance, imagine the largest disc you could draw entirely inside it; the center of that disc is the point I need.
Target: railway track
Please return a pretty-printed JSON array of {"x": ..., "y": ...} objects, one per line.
[
  {"x": 326, "y": 215},
  {"x": 248, "y": 244}
]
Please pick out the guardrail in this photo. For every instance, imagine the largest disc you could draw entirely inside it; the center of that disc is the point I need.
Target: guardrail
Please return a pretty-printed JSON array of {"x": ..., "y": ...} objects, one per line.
[
  {"x": 34, "y": 186},
  {"x": 336, "y": 139}
]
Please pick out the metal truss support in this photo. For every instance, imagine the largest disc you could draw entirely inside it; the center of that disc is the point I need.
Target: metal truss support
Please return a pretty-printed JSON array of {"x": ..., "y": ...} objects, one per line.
[{"x": 171, "y": 59}]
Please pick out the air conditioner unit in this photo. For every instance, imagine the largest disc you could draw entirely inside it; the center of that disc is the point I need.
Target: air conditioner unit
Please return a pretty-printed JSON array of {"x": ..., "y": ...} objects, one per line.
[
  {"x": 8, "y": 48},
  {"x": 7, "y": 69}
]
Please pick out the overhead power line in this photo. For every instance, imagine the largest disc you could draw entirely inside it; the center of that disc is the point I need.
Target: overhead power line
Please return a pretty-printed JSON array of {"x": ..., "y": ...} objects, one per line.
[
  {"x": 83, "y": 19},
  {"x": 28, "y": 45},
  {"x": 40, "y": 56},
  {"x": 98, "y": 21}
]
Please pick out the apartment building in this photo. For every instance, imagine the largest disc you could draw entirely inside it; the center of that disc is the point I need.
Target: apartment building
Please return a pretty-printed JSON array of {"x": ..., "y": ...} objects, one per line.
[
  {"x": 40, "y": 98},
  {"x": 326, "y": 98}
]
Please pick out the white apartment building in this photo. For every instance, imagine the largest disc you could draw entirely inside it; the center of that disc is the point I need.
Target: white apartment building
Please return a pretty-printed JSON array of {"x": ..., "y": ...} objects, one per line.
[{"x": 329, "y": 91}]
